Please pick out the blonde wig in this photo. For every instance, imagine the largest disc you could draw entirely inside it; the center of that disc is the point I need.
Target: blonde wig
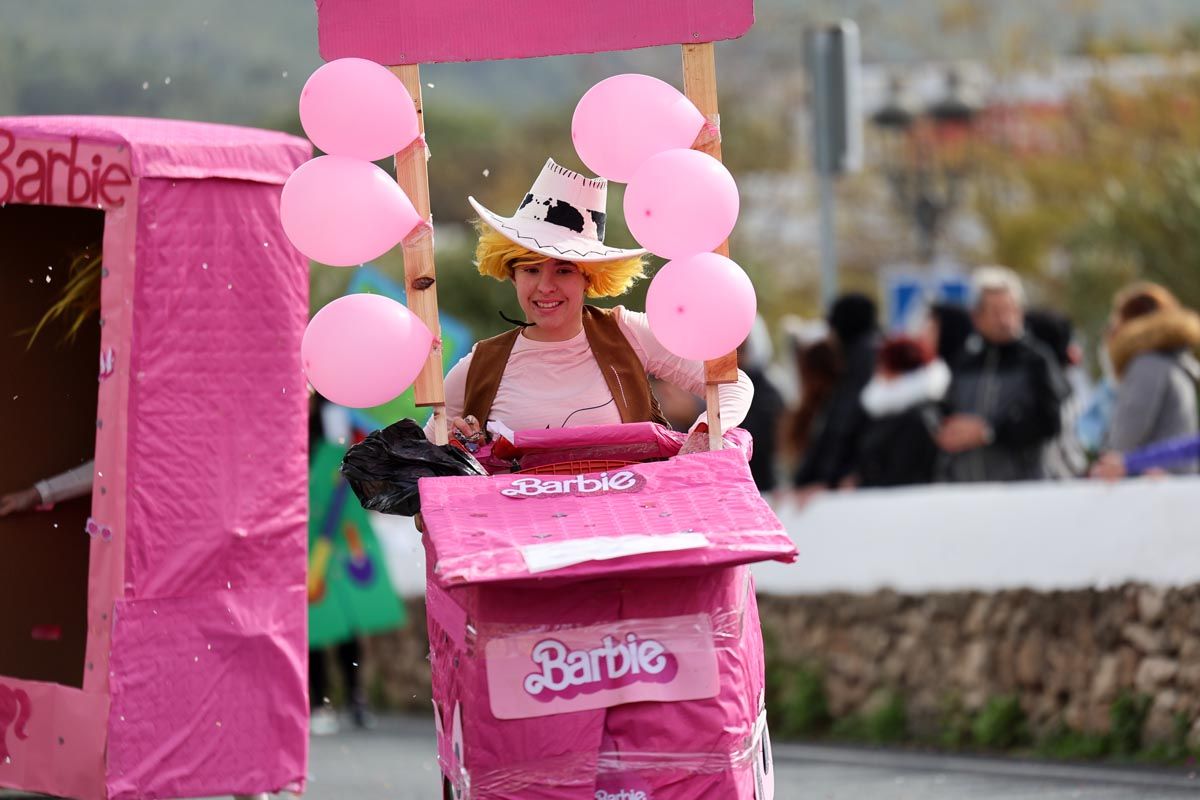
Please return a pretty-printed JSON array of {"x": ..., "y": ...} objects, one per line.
[{"x": 497, "y": 257}]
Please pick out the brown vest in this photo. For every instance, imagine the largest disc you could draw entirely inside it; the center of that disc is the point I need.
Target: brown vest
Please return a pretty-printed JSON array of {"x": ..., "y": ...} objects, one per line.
[{"x": 619, "y": 364}]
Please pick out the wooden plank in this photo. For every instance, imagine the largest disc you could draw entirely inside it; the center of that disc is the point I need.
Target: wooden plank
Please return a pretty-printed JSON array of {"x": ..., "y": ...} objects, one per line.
[
  {"x": 700, "y": 86},
  {"x": 420, "y": 277}
]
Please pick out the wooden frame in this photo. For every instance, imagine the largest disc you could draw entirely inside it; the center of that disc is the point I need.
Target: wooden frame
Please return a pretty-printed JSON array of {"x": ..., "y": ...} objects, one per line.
[{"x": 420, "y": 279}]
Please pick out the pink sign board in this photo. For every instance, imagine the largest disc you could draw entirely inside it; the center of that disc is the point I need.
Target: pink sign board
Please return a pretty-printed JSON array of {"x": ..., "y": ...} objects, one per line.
[
  {"x": 536, "y": 674},
  {"x": 409, "y": 32},
  {"x": 71, "y": 172}
]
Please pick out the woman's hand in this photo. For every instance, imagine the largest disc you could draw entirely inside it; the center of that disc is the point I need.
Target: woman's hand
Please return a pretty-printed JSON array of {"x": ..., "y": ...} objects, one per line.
[
  {"x": 804, "y": 495},
  {"x": 1109, "y": 467},
  {"x": 467, "y": 431},
  {"x": 696, "y": 442},
  {"x": 466, "y": 428},
  {"x": 15, "y": 502},
  {"x": 962, "y": 432}
]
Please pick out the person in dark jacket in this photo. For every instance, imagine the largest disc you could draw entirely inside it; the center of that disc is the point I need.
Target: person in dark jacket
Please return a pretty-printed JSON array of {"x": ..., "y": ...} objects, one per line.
[
  {"x": 902, "y": 405},
  {"x": 833, "y": 450},
  {"x": 947, "y": 329},
  {"x": 1005, "y": 401},
  {"x": 1066, "y": 457},
  {"x": 765, "y": 415}
]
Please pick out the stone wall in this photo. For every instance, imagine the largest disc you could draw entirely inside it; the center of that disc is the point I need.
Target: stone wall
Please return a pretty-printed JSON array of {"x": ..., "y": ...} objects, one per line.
[{"x": 1066, "y": 656}]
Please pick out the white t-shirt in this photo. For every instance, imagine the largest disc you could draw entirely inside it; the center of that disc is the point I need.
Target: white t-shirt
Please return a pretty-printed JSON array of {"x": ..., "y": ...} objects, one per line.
[{"x": 559, "y": 384}]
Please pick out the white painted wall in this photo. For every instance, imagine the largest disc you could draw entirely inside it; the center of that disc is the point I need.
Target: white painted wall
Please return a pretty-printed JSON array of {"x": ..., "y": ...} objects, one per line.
[
  {"x": 945, "y": 538},
  {"x": 1040, "y": 536}
]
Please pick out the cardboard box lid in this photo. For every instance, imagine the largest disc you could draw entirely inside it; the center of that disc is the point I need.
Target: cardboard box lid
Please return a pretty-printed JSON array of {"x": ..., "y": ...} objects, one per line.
[{"x": 695, "y": 511}]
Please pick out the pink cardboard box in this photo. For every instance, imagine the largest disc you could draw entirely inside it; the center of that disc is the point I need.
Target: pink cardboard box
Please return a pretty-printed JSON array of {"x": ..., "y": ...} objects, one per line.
[
  {"x": 596, "y": 635},
  {"x": 194, "y": 678}
]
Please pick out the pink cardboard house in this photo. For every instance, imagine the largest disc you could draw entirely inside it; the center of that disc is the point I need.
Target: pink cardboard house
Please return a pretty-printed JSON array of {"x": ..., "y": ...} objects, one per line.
[
  {"x": 164, "y": 655},
  {"x": 596, "y": 635}
]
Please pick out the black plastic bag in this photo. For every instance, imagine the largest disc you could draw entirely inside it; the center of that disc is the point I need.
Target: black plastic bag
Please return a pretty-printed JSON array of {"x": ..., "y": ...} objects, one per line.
[{"x": 383, "y": 469}]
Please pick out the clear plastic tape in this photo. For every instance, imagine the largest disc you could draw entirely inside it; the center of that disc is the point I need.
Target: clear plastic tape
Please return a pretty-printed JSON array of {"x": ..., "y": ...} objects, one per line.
[
  {"x": 726, "y": 628},
  {"x": 485, "y": 560},
  {"x": 420, "y": 143},
  {"x": 422, "y": 231},
  {"x": 725, "y": 624},
  {"x": 582, "y": 769},
  {"x": 710, "y": 132}
]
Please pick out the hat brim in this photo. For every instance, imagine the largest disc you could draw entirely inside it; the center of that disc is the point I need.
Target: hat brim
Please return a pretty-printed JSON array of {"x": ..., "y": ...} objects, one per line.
[{"x": 550, "y": 240}]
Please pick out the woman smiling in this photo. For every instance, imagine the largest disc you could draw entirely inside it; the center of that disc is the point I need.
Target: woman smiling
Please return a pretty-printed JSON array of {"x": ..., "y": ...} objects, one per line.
[{"x": 570, "y": 363}]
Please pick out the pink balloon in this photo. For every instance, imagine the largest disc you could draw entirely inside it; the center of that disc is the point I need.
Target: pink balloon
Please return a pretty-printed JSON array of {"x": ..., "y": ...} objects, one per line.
[
  {"x": 681, "y": 202},
  {"x": 343, "y": 211},
  {"x": 363, "y": 350},
  {"x": 354, "y": 107},
  {"x": 625, "y": 119},
  {"x": 701, "y": 306}
]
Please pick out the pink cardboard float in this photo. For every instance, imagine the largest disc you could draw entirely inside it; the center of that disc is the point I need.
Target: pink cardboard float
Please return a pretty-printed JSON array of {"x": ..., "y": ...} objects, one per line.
[
  {"x": 593, "y": 635},
  {"x": 596, "y": 633},
  {"x": 192, "y": 679}
]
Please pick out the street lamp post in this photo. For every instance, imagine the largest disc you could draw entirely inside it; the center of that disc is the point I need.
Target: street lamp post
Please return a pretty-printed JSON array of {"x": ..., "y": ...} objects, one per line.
[{"x": 925, "y": 157}]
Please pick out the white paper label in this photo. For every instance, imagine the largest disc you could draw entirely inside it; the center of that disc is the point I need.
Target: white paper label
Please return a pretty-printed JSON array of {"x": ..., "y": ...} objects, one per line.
[{"x": 547, "y": 556}]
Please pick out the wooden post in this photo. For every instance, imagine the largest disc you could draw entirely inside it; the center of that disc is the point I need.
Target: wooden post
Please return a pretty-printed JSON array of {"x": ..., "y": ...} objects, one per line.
[
  {"x": 420, "y": 276},
  {"x": 700, "y": 86}
]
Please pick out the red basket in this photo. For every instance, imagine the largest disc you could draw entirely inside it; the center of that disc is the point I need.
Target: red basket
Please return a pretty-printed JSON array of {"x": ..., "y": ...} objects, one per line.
[{"x": 575, "y": 467}]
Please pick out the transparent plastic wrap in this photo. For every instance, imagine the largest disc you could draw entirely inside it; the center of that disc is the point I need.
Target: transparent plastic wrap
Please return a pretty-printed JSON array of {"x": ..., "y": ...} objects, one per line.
[{"x": 640, "y": 685}]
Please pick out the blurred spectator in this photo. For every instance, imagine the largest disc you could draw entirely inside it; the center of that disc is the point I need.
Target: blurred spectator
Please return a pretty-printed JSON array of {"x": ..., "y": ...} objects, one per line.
[
  {"x": 799, "y": 334},
  {"x": 1006, "y": 394},
  {"x": 1150, "y": 348},
  {"x": 1065, "y": 457},
  {"x": 332, "y": 423},
  {"x": 1091, "y": 428},
  {"x": 766, "y": 409},
  {"x": 1096, "y": 415},
  {"x": 1150, "y": 460},
  {"x": 820, "y": 366},
  {"x": 75, "y": 482},
  {"x": 901, "y": 402},
  {"x": 830, "y": 458},
  {"x": 946, "y": 330}
]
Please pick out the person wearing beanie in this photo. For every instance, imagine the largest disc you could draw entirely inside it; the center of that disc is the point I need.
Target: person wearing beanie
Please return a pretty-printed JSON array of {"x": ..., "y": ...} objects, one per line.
[
  {"x": 947, "y": 329},
  {"x": 832, "y": 455}
]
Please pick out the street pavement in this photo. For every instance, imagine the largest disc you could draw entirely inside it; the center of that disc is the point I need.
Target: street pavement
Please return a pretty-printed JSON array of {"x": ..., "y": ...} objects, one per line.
[{"x": 396, "y": 761}]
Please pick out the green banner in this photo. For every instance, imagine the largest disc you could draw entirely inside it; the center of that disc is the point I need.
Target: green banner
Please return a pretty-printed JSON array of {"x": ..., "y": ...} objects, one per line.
[{"x": 349, "y": 591}]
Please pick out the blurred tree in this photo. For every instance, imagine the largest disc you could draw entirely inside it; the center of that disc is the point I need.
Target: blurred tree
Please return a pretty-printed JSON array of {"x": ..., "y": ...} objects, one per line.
[{"x": 1106, "y": 192}]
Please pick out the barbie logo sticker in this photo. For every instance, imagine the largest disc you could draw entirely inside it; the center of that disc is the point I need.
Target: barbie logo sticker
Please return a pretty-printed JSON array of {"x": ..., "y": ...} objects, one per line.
[
  {"x": 604, "y": 483},
  {"x": 554, "y": 672}
]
